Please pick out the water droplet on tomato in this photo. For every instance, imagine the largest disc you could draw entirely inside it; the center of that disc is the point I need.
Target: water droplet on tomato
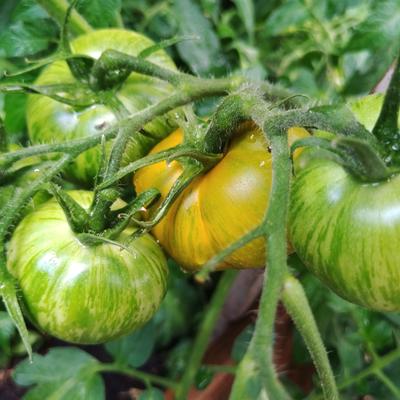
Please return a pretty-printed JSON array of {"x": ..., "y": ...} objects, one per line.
[
  {"x": 252, "y": 137},
  {"x": 262, "y": 163}
]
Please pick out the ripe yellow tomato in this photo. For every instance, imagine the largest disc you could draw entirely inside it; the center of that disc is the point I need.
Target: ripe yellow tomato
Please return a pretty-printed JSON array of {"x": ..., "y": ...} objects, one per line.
[{"x": 219, "y": 207}]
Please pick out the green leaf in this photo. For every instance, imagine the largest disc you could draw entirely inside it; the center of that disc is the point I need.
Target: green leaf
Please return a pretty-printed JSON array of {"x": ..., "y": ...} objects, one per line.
[
  {"x": 246, "y": 12},
  {"x": 28, "y": 31},
  {"x": 178, "y": 309},
  {"x": 212, "y": 9},
  {"x": 177, "y": 359},
  {"x": 100, "y": 13},
  {"x": 203, "y": 56},
  {"x": 7, "y": 328},
  {"x": 203, "y": 377},
  {"x": 66, "y": 373},
  {"x": 242, "y": 343},
  {"x": 373, "y": 46},
  {"x": 6, "y": 9},
  {"x": 134, "y": 349},
  {"x": 286, "y": 19},
  {"x": 151, "y": 394},
  {"x": 14, "y": 122}
]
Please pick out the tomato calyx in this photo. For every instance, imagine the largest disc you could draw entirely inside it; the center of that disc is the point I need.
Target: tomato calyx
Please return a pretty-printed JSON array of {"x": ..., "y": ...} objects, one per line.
[
  {"x": 191, "y": 169},
  {"x": 78, "y": 218},
  {"x": 76, "y": 215},
  {"x": 356, "y": 155}
]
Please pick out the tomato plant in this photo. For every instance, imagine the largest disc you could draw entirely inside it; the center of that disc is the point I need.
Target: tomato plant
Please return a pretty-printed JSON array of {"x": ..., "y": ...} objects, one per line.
[
  {"x": 86, "y": 272},
  {"x": 345, "y": 230},
  {"x": 81, "y": 293},
  {"x": 218, "y": 207},
  {"x": 50, "y": 121}
]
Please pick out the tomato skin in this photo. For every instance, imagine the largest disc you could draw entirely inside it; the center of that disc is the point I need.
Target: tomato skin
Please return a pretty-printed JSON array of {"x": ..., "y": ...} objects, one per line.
[
  {"x": 346, "y": 231},
  {"x": 219, "y": 207},
  {"x": 84, "y": 294},
  {"x": 50, "y": 121}
]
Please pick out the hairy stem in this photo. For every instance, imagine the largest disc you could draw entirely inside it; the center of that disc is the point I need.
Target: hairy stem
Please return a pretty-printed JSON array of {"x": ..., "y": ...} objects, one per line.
[
  {"x": 203, "y": 337},
  {"x": 256, "y": 376},
  {"x": 134, "y": 373},
  {"x": 297, "y": 305},
  {"x": 57, "y": 10}
]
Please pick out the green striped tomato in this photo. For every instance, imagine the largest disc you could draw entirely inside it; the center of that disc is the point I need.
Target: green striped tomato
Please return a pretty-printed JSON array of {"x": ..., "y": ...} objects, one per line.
[
  {"x": 50, "y": 121},
  {"x": 348, "y": 232},
  {"x": 84, "y": 294}
]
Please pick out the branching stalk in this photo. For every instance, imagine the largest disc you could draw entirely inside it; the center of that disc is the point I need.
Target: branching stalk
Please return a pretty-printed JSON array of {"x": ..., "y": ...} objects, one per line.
[
  {"x": 136, "y": 374},
  {"x": 297, "y": 305}
]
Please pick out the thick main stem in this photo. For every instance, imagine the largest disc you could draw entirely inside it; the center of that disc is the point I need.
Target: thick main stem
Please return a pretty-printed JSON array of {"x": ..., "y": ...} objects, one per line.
[
  {"x": 203, "y": 337},
  {"x": 258, "y": 361},
  {"x": 57, "y": 10},
  {"x": 297, "y": 305}
]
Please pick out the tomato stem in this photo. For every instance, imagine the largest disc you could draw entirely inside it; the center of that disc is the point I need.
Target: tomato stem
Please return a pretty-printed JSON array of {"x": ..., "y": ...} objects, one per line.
[
  {"x": 134, "y": 373},
  {"x": 57, "y": 10},
  {"x": 210, "y": 266},
  {"x": 297, "y": 305},
  {"x": 203, "y": 336},
  {"x": 256, "y": 374}
]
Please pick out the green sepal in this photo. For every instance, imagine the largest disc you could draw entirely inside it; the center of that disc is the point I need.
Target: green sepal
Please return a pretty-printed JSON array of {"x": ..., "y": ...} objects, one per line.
[
  {"x": 8, "y": 292},
  {"x": 77, "y": 95},
  {"x": 356, "y": 155},
  {"x": 80, "y": 67},
  {"x": 77, "y": 216},
  {"x": 109, "y": 71},
  {"x": 345, "y": 122},
  {"x": 142, "y": 201},
  {"x": 191, "y": 170},
  {"x": 103, "y": 163},
  {"x": 234, "y": 109},
  {"x": 91, "y": 239}
]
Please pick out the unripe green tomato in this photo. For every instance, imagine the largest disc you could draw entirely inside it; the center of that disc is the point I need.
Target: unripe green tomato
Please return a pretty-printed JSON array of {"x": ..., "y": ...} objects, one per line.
[
  {"x": 347, "y": 232},
  {"x": 79, "y": 293},
  {"x": 50, "y": 121}
]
